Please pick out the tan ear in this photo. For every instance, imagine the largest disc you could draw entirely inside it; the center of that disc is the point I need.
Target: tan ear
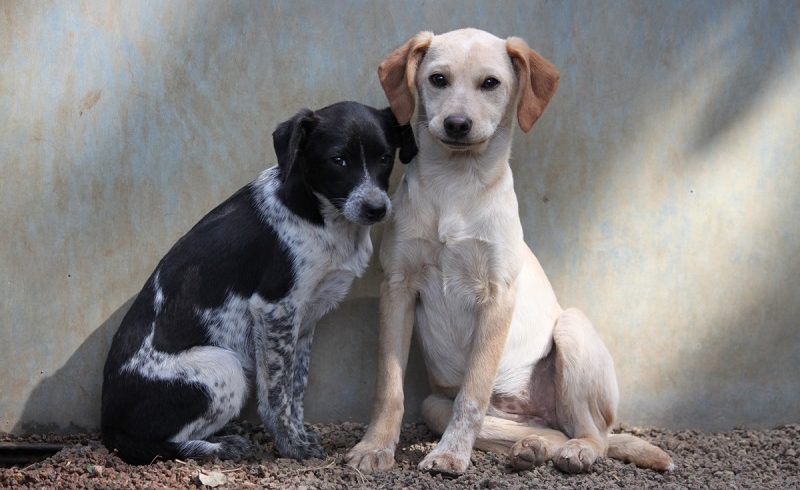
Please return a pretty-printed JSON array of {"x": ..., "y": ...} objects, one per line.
[
  {"x": 397, "y": 74},
  {"x": 538, "y": 81}
]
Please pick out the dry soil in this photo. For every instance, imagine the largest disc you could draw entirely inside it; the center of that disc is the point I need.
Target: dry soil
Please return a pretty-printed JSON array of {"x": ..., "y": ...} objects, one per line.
[{"x": 735, "y": 459}]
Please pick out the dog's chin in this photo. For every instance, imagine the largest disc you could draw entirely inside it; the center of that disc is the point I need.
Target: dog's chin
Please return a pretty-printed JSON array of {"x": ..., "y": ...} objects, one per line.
[{"x": 360, "y": 219}]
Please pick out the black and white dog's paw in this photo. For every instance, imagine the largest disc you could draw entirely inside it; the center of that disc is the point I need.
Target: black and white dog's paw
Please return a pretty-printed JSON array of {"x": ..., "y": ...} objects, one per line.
[
  {"x": 297, "y": 447},
  {"x": 311, "y": 436},
  {"x": 232, "y": 447}
]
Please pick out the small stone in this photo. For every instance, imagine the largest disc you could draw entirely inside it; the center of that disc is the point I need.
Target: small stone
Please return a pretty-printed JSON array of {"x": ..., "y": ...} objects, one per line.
[{"x": 212, "y": 478}]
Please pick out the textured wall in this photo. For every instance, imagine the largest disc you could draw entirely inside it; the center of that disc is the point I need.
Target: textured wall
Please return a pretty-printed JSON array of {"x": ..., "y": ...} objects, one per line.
[{"x": 660, "y": 190}]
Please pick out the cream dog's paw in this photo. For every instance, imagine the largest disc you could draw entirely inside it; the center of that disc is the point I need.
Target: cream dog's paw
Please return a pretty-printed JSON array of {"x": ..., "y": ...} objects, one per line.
[
  {"x": 575, "y": 456},
  {"x": 370, "y": 458},
  {"x": 445, "y": 462},
  {"x": 532, "y": 451}
]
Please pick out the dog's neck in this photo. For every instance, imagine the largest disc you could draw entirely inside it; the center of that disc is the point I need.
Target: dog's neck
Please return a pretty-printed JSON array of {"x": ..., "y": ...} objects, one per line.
[
  {"x": 299, "y": 199},
  {"x": 314, "y": 207}
]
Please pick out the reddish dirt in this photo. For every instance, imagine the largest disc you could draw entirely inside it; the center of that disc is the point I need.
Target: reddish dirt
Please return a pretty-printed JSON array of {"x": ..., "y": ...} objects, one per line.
[{"x": 735, "y": 459}]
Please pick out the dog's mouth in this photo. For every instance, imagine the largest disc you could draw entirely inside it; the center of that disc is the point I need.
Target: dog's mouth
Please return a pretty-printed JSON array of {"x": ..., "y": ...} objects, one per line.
[
  {"x": 367, "y": 220},
  {"x": 460, "y": 145}
]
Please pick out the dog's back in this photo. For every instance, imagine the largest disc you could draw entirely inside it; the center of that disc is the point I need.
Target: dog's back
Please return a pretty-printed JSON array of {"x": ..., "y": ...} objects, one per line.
[
  {"x": 198, "y": 274},
  {"x": 239, "y": 295}
]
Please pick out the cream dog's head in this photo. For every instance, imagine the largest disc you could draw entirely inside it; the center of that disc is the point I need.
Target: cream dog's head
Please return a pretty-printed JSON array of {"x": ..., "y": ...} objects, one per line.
[{"x": 468, "y": 83}]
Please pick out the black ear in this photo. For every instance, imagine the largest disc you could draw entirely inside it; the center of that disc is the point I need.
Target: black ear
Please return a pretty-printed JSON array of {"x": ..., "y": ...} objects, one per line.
[
  {"x": 402, "y": 137},
  {"x": 408, "y": 145},
  {"x": 288, "y": 139}
]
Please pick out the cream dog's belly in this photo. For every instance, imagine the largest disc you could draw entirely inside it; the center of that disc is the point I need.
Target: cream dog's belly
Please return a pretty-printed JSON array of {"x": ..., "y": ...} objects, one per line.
[
  {"x": 445, "y": 326},
  {"x": 446, "y": 317},
  {"x": 452, "y": 254}
]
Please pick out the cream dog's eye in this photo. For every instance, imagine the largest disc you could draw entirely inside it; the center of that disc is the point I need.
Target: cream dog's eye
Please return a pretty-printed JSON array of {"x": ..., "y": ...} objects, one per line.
[
  {"x": 490, "y": 83},
  {"x": 438, "y": 80},
  {"x": 339, "y": 161}
]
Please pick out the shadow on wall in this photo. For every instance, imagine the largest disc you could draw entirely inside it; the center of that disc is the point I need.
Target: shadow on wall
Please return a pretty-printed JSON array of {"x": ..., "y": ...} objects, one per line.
[
  {"x": 737, "y": 366},
  {"x": 341, "y": 380},
  {"x": 344, "y": 360},
  {"x": 721, "y": 81},
  {"x": 75, "y": 388},
  {"x": 340, "y": 386},
  {"x": 746, "y": 72},
  {"x": 713, "y": 128},
  {"x": 738, "y": 374}
]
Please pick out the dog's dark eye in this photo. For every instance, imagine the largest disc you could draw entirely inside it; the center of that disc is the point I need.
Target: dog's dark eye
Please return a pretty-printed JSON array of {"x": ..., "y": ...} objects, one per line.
[
  {"x": 339, "y": 161},
  {"x": 387, "y": 159},
  {"x": 490, "y": 83},
  {"x": 438, "y": 80}
]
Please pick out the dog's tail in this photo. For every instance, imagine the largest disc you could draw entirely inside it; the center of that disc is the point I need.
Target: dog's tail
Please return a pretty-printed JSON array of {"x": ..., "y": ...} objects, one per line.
[
  {"x": 631, "y": 449},
  {"x": 499, "y": 435},
  {"x": 138, "y": 451}
]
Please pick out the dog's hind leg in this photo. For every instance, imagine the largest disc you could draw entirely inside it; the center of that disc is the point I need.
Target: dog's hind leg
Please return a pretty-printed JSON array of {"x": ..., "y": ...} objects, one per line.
[
  {"x": 221, "y": 373},
  {"x": 586, "y": 401},
  {"x": 586, "y": 392},
  {"x": 527, "y": 445}
]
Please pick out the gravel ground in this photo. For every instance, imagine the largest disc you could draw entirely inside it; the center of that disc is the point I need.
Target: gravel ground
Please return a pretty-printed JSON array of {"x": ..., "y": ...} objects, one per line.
[{"x": 736, "y": 459}]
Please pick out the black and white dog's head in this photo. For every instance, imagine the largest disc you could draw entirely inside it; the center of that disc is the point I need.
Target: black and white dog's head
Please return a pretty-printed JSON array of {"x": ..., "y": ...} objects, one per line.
[{"x": 343, "y": 154}]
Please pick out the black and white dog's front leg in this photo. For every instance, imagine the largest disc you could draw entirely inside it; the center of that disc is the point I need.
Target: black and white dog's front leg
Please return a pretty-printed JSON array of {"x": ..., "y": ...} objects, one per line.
[
  {"x": 300, "y": 381},
  {"x": 275, "y": 335}
]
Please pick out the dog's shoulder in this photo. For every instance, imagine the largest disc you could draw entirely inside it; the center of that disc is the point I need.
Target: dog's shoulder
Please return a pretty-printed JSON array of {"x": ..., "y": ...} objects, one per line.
[{"x": 230, "y": 250}]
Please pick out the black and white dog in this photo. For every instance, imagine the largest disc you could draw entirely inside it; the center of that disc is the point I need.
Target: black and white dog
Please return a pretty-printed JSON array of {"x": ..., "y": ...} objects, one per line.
[{"x": 239, "y": 295}]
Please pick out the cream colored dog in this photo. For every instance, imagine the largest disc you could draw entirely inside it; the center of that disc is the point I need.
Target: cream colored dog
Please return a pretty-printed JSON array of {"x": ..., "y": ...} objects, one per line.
[{"x": 510, "y": 370}]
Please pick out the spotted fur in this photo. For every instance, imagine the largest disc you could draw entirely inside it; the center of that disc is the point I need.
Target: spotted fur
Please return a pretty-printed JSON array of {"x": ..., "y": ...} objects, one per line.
[{"x": 234, "y": 303}]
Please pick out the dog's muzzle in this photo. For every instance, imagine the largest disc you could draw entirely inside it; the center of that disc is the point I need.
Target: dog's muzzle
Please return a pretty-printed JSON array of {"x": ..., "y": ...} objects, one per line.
[
  {"x": 457, "y": 126},
  {"x": 457, "y": 135},
  {"x": 373, "y": 211},
  {"x": 368, "y": 204}
]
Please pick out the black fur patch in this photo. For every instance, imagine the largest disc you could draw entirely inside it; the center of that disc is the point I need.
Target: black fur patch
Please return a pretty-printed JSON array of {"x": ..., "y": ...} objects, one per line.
[{"x": 236, "y": 251}]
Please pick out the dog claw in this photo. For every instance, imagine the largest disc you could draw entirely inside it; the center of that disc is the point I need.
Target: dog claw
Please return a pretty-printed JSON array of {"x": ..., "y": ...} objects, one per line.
[
  {"x": 311, "y": 436},
  {"x": 369, "y": 459},
  {"x": 303, "y": 451},
  {"x": 232, "y": 447},
  {"x": 529, "y": 452},
  {"x": 299, "y": 449},
  {"x": 575, "y": 456},
  {"x": 444, "y": 463}
]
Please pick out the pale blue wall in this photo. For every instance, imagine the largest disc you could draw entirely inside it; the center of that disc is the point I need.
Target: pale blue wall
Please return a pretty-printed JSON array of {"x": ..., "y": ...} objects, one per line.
[{"x": 659, "y": 190}]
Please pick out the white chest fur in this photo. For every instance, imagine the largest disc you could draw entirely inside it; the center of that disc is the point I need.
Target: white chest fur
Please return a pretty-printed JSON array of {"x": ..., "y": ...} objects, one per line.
[
  {"x": 325, "y": 260},
  {"x": 463, "y": 245}
]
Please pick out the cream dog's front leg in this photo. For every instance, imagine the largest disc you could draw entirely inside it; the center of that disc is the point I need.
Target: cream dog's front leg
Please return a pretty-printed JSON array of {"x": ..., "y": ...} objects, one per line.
[
  {"x": 375, "y": 452},
  {"x": 452, "y": 454}
]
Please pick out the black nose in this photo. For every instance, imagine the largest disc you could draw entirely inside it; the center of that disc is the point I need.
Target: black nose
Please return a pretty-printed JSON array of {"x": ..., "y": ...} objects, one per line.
[
  {"x": 457, "y": 126},
  {"x": 374, "y": 212}
]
